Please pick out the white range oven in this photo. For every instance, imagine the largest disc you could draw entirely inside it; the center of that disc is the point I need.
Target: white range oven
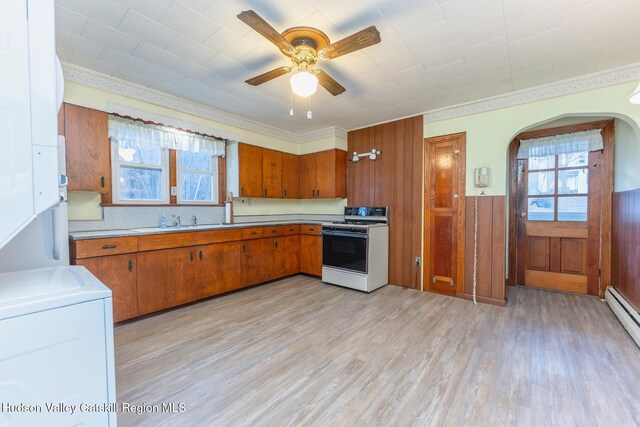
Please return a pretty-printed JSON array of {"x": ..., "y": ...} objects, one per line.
[{"x": 355, "y": 252}]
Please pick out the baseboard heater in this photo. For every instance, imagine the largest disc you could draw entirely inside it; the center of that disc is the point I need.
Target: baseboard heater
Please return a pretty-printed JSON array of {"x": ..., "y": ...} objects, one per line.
[{"x": 627, "y": 315}]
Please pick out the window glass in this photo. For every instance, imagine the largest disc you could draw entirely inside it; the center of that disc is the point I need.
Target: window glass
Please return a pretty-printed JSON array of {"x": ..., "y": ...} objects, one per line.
[
  {"x": 546, "y": 162},
  {"x": 197, "y": 161},
  {"x": 197, "y": 187},
  {"x": 140, "y": 183},
  {"x": 573, "y": 159},
  {"x": 541, "y": 183},
  {"x": 573, "y": 181},
  {"x": 572, "y": 208},
  {"x": 541, "y": 209},
  {"x": 137, "y": 152}
]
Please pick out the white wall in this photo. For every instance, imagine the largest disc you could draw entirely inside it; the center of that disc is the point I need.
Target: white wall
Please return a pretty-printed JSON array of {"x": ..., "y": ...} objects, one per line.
[{"x": 627, "y": 157}]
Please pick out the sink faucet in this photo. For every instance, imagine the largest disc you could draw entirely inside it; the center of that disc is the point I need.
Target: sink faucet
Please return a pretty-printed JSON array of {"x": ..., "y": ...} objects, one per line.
[
  {"x": 195, "y": 221},
  {"x": 176, "y": 220}
]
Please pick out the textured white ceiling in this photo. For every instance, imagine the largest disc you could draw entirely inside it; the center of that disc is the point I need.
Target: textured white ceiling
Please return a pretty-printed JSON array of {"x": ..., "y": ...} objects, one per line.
[{"x": 434, "y": 53}]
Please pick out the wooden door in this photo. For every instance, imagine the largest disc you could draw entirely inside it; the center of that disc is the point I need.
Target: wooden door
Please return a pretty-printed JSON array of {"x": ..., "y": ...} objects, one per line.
[
  {"x": 444, "y": 214},
  {"x": 218, "y": 269},
  {"x": 311, "y": 254},
  {"x": 257, "y": 261},
  {"x": 88, "y": 153},
  {"x": 166, "y": 278},
  {"x": 118, "y": 273},
  {"x": 290, "y": 176},
  {"x": 272, "y": 173},
  {"x": 250, "y": 170},
  {"x": 308, "y": 176},
  {"x": 558, "y": 225},
  {"x": 286, "y": 256}
]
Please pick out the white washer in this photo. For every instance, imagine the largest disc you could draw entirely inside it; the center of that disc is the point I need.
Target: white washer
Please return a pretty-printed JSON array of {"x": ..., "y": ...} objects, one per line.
[{"x": 56, "y": 330}]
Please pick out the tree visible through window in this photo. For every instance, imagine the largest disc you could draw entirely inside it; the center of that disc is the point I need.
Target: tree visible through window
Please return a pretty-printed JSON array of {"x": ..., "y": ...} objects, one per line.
[
  {"x": 197, "y": 177},
  {"x": 141, "y": 171},
  {"x": 558, "y": 187}
]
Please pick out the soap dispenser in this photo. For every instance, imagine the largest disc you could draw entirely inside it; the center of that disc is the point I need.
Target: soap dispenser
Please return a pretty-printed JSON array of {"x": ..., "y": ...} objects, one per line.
[{"x": 163, "y": 221}]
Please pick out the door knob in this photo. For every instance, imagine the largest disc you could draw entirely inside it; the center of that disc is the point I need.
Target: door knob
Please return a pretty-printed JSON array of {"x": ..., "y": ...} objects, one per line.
[{"x": 522, "y": 214}]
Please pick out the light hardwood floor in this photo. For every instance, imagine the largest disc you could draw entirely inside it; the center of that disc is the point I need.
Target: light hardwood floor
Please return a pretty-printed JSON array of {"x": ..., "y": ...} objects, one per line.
[{"x": 300, "y": 352}]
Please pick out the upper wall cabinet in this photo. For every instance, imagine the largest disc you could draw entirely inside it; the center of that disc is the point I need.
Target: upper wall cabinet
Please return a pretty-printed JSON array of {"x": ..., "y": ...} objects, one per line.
[
  {"x": 323, "y": 175},
  {"x": 250, "y": 171},
  {"x": 290, "y": 176},
  {"x": 272, "y": 173},
  {"x": 88, "y": 151}
]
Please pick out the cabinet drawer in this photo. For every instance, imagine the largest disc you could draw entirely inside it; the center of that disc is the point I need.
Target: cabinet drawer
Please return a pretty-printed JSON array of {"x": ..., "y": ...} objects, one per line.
[
  {"x": 99, "y": 247},
  {"x": 311, "y": 229},
  {"x": 252, "y": 233},
  {"x": 288, "y": 230},
  {"x": 274, "y": 231}
]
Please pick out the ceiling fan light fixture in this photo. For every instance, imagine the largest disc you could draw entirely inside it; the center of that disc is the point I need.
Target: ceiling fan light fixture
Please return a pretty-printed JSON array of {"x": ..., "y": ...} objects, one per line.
[
  {"x": 304, "y": 83},
  {"x": 635, "y": 96}
]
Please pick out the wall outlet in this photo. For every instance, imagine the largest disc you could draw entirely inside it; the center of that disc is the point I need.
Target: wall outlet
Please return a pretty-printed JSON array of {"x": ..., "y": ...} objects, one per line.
[
  {"x": 174, "y": 191},
  {"x": 418, "y": 260}
]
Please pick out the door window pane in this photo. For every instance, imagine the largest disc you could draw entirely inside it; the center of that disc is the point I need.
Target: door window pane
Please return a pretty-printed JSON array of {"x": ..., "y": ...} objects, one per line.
[
  {"x": 541, "y": 183},
  {"x": 573, "y": 181},
  {"x": 140, "y": 183},
  {"x": 573, "y": 159},
  {"x": 540, "y": 209},
  {"x": 197, "y": 187},
  {"x": 572, "y": 208},
  {"x": 136, "y": 152},
  {"x": 546, "y": 162}
]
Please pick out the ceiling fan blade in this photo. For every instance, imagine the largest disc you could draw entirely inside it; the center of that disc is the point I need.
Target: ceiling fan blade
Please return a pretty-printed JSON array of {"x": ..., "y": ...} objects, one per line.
[
  {"x": 269, "y": 75},
  {"x": 253, "y": 20},
  {"x": 327, "y": 82},
  {"x": 360, "y": 40}
]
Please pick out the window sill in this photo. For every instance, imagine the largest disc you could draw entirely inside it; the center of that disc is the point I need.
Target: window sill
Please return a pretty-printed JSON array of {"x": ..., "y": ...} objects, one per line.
[{"x": 149, "y": 205}]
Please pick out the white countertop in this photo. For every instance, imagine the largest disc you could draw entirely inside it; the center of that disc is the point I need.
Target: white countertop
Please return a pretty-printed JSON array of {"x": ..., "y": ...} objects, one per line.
[{"x": 81, "y": 235}]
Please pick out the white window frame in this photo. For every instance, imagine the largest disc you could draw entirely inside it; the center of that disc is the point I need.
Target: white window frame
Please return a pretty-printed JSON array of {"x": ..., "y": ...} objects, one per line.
[
  {"x": 215, "y": 180},
  {"x": 116, "y": 163}
]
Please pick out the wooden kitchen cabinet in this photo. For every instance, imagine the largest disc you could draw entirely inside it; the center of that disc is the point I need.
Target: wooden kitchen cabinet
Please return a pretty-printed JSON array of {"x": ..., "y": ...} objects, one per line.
[
  {"x": 272, "y": 173},
  {"x": 286, "y": 256},
  {"x": 218, "y": 269},
  {"x": 88, "y": 152},
  {"x": 118, "y": 273},
  {"x": 250, "y": 170},
  {"x": 166, "y": 278},
  {"x": 257, "y": 261},
  {"x": 310, "y": 250},
  {"x": 323, "y": 175},
  {"x": 290, "y": 176}
]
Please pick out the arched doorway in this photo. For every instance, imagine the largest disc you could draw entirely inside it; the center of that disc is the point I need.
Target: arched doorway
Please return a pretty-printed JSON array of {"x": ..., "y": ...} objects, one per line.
[{"x": 559, "y": 222}]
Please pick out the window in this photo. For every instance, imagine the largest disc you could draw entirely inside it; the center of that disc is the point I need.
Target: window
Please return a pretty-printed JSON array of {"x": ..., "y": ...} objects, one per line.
[
  {"x": 141, "y": 172},
  {"x": 558, "y": 187},
  {"x": 197, "y": 177},
  {"x": 141, "y": 165}
]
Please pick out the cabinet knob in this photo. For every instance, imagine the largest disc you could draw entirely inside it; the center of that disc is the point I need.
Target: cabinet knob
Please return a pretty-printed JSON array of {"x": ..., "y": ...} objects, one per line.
[
  {"x": 242, "y": 191},
  {"x": 130, "y": 265},
  {"x": 102, "y": 182},
  {"x": 191, "y": 256},
  {"x": 109, "y": 246},
  {"x": 276, "y": 243},
  {"x": 265, "y": 191},
  {"x": 200, "y": 255},
  {"x": 318, "y": 193},
  {"x": 253, "y": 232},
  {"x": 285, "y": 193},
  {"x": 244, "y": 248}
]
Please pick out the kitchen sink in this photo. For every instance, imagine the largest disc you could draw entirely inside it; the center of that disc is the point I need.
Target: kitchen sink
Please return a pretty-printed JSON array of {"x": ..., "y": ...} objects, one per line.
[{"x": 181, "y": 228}]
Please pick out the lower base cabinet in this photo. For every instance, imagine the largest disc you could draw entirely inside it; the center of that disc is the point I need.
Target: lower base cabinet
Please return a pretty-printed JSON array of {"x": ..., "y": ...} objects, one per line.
[
  {"x": 257, "y": 261},
  {"x": 118, "y": 273},
  {"x": 311, "y": 254},
  {"x": 286, "y": 256},
  {"x": 218, "y": 269},
  {"x": 166, "y": 278}
]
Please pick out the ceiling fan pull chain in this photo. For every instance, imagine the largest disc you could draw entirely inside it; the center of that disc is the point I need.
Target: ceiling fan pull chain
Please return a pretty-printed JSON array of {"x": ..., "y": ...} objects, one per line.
[
  {"x": 291, "y": 110},
  {"x": 309, "y": 113}
]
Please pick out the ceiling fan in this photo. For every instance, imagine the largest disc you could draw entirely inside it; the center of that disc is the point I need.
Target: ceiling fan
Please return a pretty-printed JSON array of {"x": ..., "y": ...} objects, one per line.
[{"x": 305, "y": 46}]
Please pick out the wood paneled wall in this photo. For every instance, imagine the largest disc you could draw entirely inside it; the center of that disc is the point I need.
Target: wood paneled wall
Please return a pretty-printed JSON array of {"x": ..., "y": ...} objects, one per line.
[
  {"x": 625, "y": 256},
  {"x": 490, "y": 277},
  {"x": 394, "y": 180}
]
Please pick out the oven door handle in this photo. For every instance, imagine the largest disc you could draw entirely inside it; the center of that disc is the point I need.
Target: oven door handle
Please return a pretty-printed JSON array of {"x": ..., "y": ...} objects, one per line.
[{"x": 344, "y": 234}]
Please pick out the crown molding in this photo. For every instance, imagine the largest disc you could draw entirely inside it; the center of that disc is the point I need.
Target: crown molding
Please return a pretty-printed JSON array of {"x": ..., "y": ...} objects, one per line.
[
  {"x": 75, "y": 74},
  {"x": 552, "y": 90}
]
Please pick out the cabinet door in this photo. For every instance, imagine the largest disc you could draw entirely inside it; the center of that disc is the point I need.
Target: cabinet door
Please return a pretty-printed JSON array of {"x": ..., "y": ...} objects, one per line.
[
  {"x": 165, "y": 279},
  {"x": 290, "y": 176},
  {"x": 219, "y": 269},
  {"x": 257, "y": 261},
  {"x": 308, "y": 176},
  {"x": 311, "y": 255},
  {"x": 118, "y": 273},
  {"x": 272, "y": 173},
  {"x": 326, "y": 174},
  {"x": 88, "y": 151},
  {"x": 286, "y": 256},
  {"x": 250, "y": 170}
]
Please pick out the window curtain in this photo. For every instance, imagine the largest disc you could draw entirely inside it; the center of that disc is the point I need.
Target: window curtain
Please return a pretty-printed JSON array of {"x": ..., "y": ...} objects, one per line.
[
  {"x": 166, "y": 137},
  {"x": 590, "y": 140}
]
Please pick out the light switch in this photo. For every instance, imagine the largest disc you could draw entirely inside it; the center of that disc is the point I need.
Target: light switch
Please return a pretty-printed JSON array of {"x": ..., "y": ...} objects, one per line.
[{"x": 174, "y": 191}]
